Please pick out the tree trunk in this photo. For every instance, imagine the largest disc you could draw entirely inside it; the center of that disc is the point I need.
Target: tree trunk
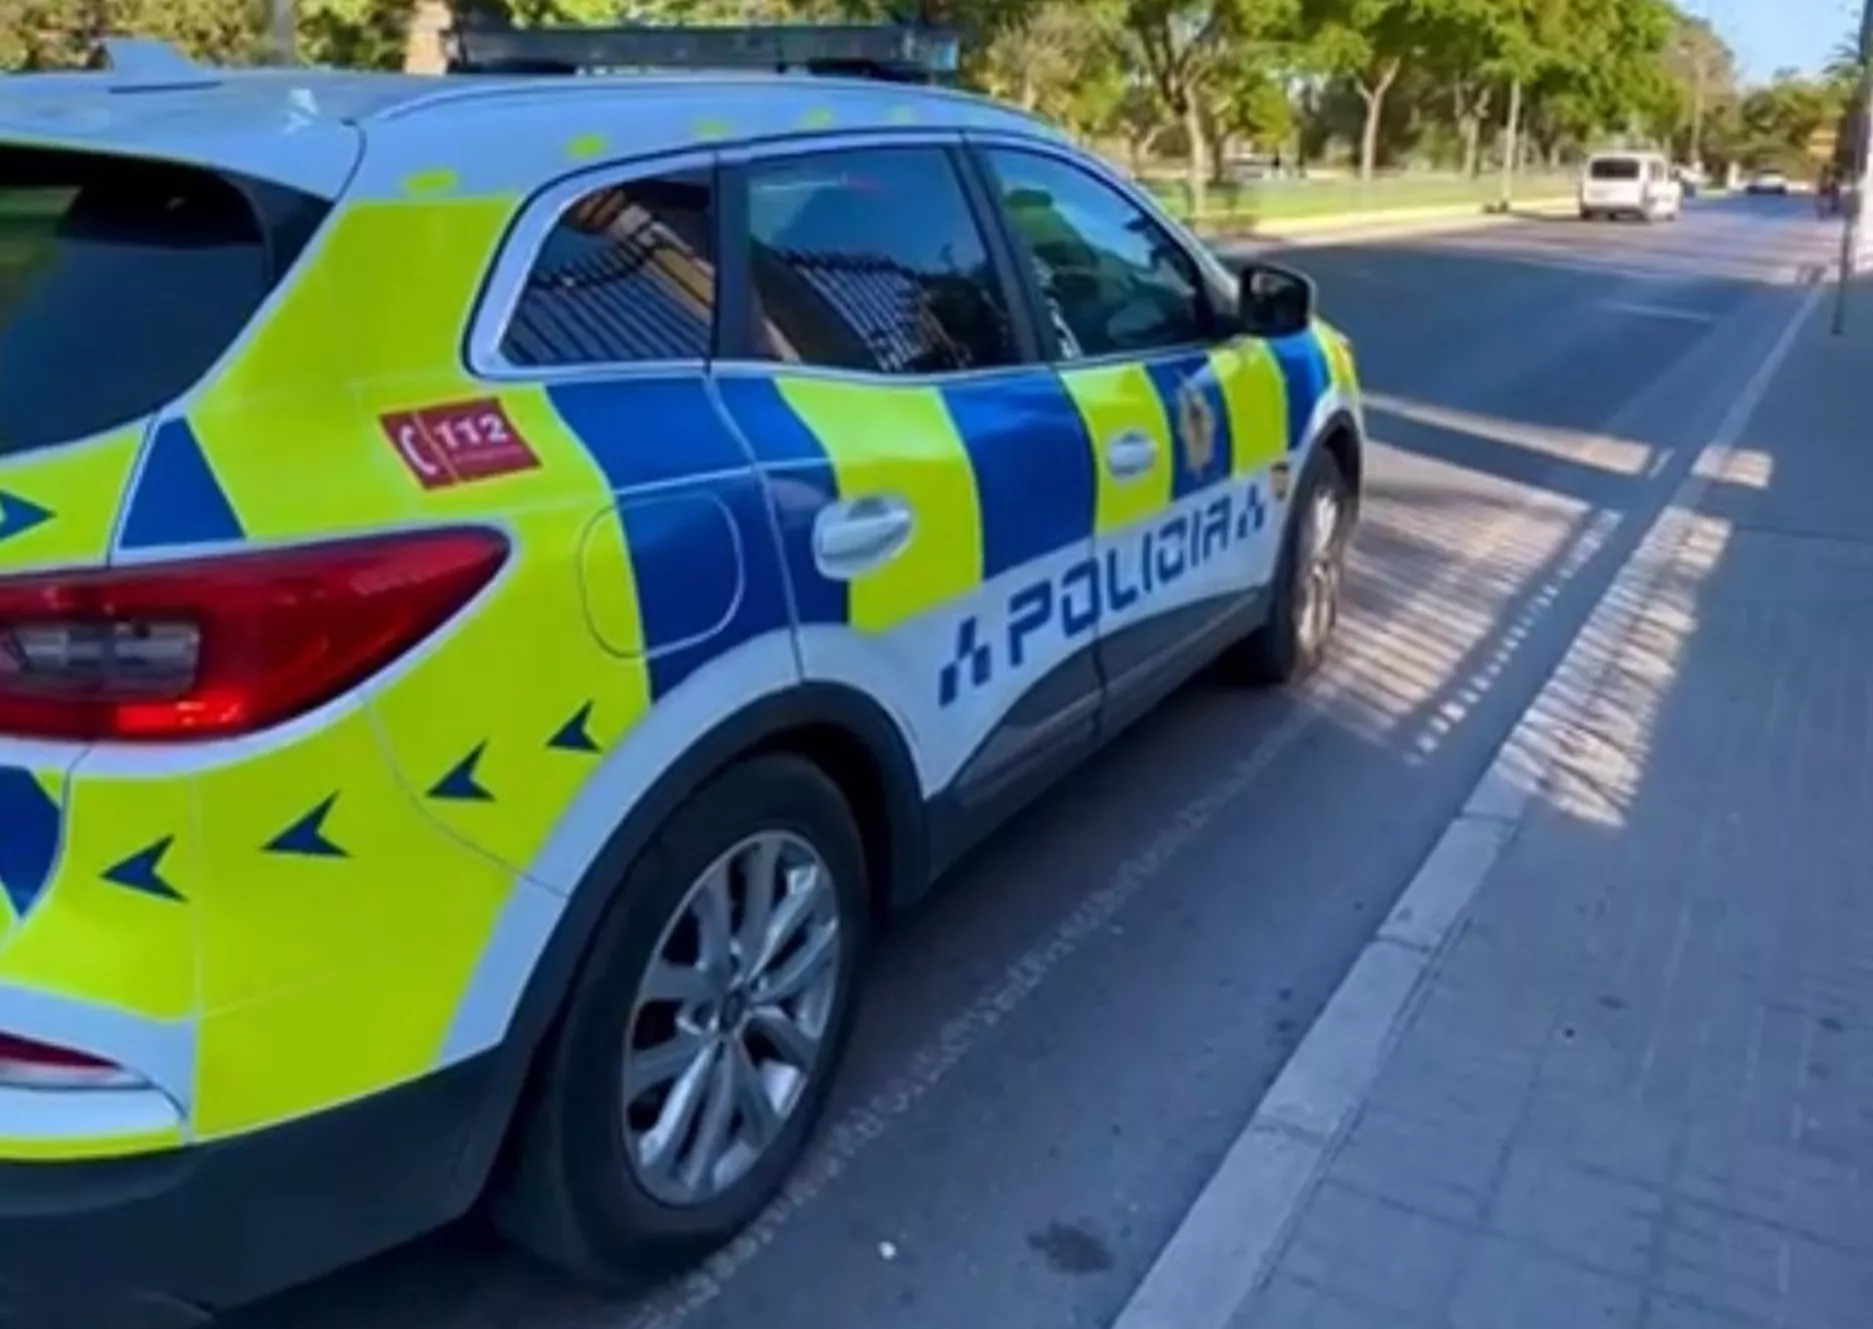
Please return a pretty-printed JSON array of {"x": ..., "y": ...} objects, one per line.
[
  {"x": 1695, "y": 156},
  {"x": 1374, "y": 95},
  {"x": 1511, "y": 146},
  {"x": 1197, "y": 143},
  {"x": 1479, "y": 115},
  {"x": 422, "y": 52}
]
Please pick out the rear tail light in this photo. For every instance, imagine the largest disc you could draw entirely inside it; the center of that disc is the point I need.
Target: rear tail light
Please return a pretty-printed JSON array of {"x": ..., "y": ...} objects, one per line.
[
  {"x": 210, "y": 648},
  {"x": 25, "y": 1064}
]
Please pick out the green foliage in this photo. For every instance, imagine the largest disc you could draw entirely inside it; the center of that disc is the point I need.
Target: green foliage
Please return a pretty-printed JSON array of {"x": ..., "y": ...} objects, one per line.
[
  {"x": 49, "y": 34},
  {"x": 1388, "y": 81},
  {"x": 367, "y": 34},
  {"x": 1777, "y": 123}
]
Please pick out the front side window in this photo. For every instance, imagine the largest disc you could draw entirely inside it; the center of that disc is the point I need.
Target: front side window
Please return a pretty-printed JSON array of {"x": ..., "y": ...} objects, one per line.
[
  {"x": 1114, "y": 281},
  {"x": 626, "y": 274},
  {"x": 871, "y": 260}
]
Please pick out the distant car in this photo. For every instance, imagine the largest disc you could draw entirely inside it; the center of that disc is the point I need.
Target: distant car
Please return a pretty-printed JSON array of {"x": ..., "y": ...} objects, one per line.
[
  {"x": 1630, "y": 184},
  {"x": 1768, "y": 182}
]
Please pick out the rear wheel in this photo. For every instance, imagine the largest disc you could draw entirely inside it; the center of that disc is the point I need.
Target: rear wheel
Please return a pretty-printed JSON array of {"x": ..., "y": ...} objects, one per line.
[
  {"x": 1309, "y": 578},
  {"x": 702, "y": 1036}
]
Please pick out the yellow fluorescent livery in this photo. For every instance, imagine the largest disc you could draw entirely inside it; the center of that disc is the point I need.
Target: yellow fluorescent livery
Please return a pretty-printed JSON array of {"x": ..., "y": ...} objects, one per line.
[{"x": 501, "y": 638}]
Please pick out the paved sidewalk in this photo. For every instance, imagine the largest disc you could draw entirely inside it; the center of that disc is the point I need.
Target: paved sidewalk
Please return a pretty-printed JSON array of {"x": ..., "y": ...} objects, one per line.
[{"x": 1635, "y": 1087}]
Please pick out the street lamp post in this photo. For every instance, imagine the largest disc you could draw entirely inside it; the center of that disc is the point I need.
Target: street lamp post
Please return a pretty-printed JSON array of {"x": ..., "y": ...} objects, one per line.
[{"x": 1858, "y": 122}]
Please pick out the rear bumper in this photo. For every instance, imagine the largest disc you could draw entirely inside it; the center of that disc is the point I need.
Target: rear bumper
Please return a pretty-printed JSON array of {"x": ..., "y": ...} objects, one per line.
[{"x": 165, "y": 1241}]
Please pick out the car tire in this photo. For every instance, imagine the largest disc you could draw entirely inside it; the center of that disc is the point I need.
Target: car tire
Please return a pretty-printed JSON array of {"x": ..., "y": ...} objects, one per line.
[
  {"x": 579, "y": 1187},
  {"x": 1310, "y": 575}
]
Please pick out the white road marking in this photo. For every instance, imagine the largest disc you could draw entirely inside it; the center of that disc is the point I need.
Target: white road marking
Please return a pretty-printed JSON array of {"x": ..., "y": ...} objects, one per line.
[{"x": 1644, "y": 310}]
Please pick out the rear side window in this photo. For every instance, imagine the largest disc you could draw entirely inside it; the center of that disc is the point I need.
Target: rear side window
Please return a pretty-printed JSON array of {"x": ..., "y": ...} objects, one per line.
[
  {"x": 626, "y": 274},
  {"x": 871, "y": 260},
  {"x": 1613, "y": 168},
  {"x": 122, "y": 282}
]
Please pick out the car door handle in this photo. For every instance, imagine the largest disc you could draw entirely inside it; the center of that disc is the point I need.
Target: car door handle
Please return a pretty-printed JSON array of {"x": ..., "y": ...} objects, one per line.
[
  {"x": 850, "y": 538},
  {"x": 1131, "y": 453}
]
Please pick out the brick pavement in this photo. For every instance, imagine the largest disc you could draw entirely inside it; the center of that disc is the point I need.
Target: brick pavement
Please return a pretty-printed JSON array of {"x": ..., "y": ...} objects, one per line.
[{"x": 1636, "y": 1088}]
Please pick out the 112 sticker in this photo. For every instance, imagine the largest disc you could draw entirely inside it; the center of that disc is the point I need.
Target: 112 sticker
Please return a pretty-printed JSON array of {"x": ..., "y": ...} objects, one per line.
[{"x": 458, "y": 442}]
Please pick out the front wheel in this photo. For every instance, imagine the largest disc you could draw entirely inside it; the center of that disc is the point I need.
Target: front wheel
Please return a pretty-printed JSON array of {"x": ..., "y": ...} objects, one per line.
[
  {"x": 1309, "y": 579},
  {"x": 702, "y": 1036}
]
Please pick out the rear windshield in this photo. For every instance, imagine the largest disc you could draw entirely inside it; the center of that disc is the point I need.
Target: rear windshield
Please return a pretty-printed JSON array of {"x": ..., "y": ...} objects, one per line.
[
  {"x": 1613, "y": 168},
  {"x": 121, "y": 282}
]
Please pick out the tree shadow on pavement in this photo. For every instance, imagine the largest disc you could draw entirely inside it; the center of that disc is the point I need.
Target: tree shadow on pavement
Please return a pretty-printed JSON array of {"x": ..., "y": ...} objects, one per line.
[
  {"x": 1684, "y": 919},
  {"x": 1495, "y": 513}
]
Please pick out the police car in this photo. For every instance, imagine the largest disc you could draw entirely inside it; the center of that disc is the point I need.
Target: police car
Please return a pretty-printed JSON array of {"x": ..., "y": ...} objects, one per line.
[{"x": 506, "y": 580}]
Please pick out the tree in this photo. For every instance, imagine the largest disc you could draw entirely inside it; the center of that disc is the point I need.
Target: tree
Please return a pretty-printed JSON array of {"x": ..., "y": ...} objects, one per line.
[
  {"x": 46, "y": 34},
  {"x": 1703, "y": 67},
  {"x": 1778, "y": 122},
  {"x": 1463, "y": 61},
  {"x": 366, "y": 34},
  {"x": 1182, "y": 46},
  {"x": 1060, "y": 59},
  {"x": 1369, "y": 42},
  {"x": 1252, "y": 101}
]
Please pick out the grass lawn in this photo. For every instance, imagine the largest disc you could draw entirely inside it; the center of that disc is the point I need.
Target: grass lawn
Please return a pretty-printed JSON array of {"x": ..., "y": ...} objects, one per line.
[{"x": 1278, "y": 199}]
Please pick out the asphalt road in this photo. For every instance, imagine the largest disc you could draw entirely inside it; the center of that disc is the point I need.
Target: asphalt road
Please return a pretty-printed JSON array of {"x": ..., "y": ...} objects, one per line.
[{"x": 1059, "y": 1047}]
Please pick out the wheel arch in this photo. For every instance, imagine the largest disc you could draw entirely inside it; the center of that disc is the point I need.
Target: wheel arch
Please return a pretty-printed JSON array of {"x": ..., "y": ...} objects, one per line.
[
  {"x": 846, "y": 734},
  {"x": 1341, "y": 439}
]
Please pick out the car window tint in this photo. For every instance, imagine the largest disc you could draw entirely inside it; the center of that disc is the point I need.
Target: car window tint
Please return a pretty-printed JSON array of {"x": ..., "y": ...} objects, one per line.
[
  {"x": 1613, "y": 168},
  {"x": 626, "y": 274},
  {"x": 1113, "y": 280},
  {"x": 147, "y": 269},
  {"x": 872, "y": 260}
]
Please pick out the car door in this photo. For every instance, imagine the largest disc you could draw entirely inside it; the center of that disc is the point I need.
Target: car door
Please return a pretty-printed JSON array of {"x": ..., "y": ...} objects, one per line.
[
  {"x": 930, "y": 478},
  {"x": 1187, "y": 420},
  {"x": 593, "y": 337}
]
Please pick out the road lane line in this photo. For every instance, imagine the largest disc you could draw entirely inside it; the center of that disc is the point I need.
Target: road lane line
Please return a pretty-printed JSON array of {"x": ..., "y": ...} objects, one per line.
[
  {"x": 1220, "y": 1252},
  {"x": 1644, "y": 309}
]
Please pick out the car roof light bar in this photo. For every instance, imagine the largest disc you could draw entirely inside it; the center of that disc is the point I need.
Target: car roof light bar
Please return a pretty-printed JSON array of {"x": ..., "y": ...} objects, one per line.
[{"x": 889, "y": 52}]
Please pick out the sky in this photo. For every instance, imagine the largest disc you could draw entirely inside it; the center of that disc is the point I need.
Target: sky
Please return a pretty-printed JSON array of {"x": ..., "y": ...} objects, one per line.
[{"x": 1768, "y": 35}]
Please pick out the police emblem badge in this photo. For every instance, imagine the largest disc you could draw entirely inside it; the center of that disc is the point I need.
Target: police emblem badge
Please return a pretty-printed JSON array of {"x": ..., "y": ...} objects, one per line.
[
  {"x": 1196, "y": 425},
  {"x": 1279, "y": 480}
]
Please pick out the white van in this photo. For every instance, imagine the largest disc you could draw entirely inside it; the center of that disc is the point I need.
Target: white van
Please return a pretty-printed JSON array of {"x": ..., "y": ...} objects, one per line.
[{"x": 1630, "y": 184}]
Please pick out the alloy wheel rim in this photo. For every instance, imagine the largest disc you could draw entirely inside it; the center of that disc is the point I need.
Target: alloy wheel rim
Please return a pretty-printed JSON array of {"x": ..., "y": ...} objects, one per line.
[
  {"x": 730, "y": 1018},
  {"x": 1317, "y": 599}
]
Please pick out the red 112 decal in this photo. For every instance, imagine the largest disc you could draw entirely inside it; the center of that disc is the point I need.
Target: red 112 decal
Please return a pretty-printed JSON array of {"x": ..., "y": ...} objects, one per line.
[{"x": 458, "y": 442}]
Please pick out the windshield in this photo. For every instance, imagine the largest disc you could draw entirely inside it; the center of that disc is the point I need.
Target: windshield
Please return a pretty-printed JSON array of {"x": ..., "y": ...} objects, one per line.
[
  {"x": 1613, "y": 168},
  {"x": 122, "y": 281}
]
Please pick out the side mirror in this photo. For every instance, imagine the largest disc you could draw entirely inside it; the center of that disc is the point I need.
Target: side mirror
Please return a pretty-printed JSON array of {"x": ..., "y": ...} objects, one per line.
[{"x": 1275, "y": 302}]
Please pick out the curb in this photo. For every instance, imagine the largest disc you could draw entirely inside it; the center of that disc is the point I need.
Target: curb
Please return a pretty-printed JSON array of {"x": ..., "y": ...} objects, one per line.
[
  {"x": 1373, "y": 225},
  {"x": 1219, "y": 1254}
]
